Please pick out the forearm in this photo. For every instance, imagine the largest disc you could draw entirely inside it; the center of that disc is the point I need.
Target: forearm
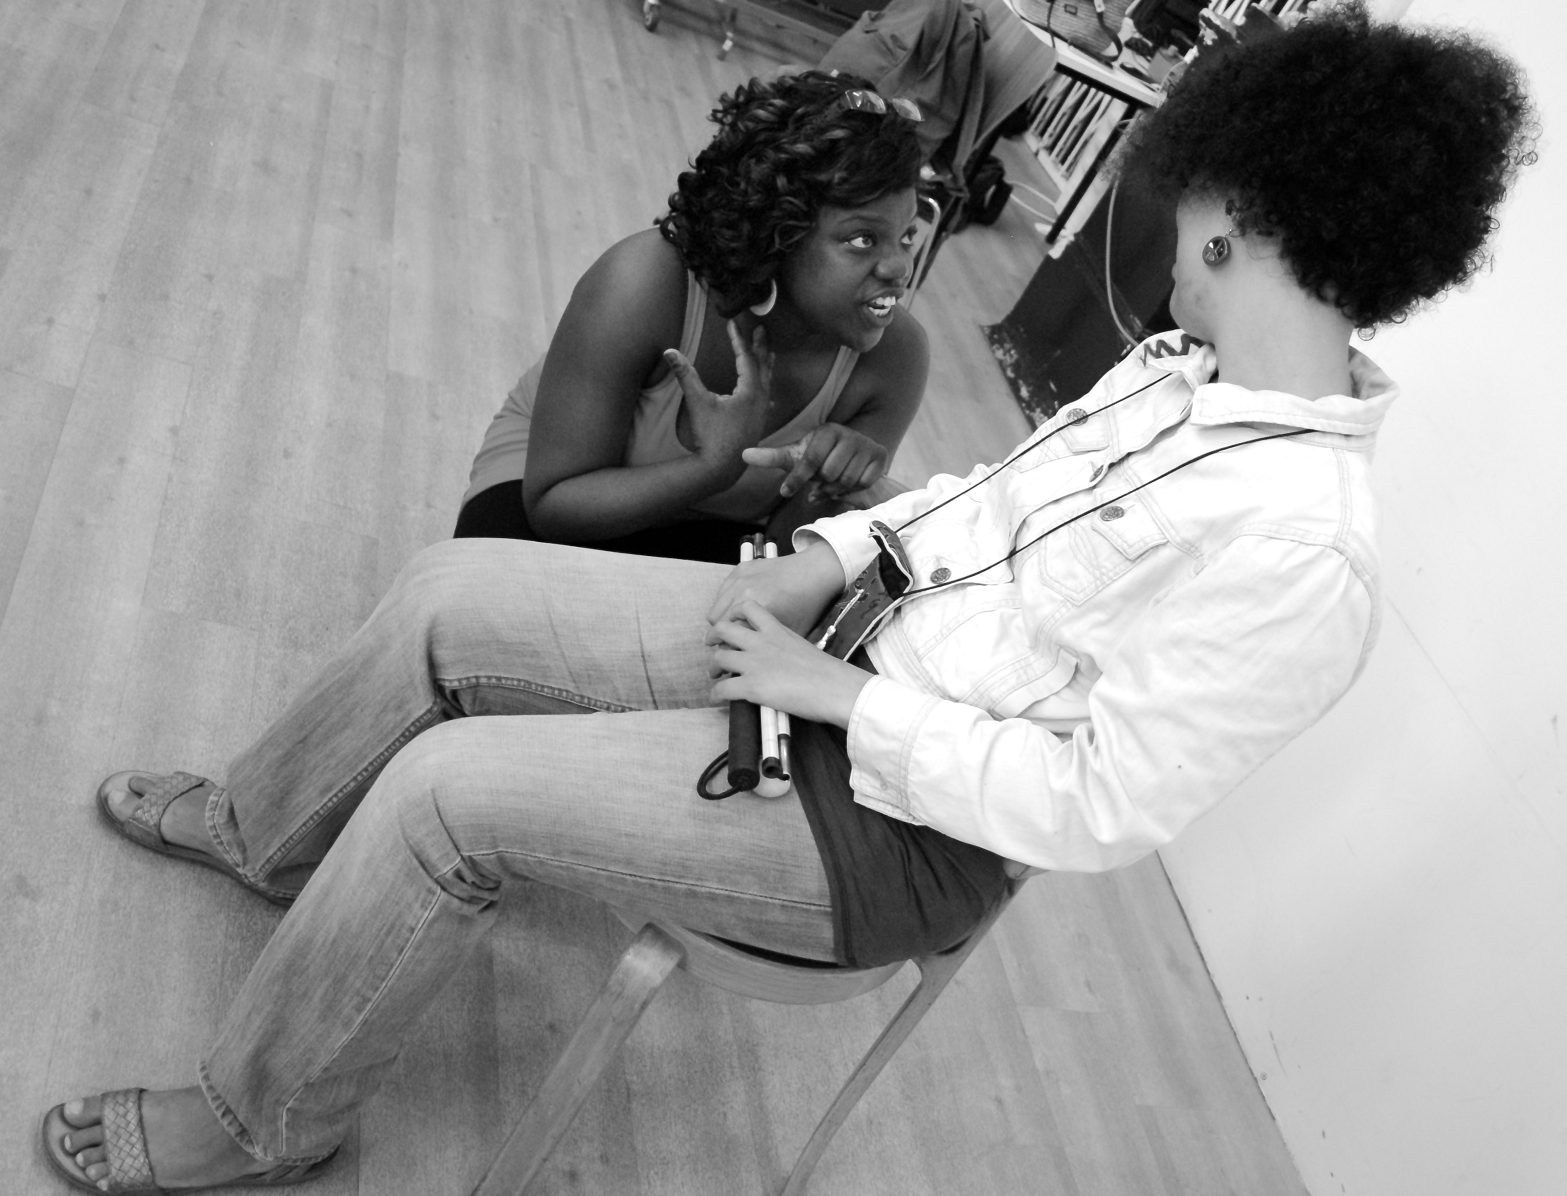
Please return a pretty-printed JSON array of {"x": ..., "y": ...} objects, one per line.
[
  {"x": 849, "y": 533},
  {"x": 623, "y": 499},
  {"x": 1219, "y": 675}
]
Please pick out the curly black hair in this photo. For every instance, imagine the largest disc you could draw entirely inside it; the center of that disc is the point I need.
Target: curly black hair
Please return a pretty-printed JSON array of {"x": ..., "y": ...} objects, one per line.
[
  {"x": 784, "y": 148},
  {"x": 1376, "y": 153}
]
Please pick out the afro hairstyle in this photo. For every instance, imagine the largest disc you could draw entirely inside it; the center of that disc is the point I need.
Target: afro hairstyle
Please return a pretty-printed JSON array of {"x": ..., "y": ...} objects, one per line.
[{"x": 1376, "y": 153}]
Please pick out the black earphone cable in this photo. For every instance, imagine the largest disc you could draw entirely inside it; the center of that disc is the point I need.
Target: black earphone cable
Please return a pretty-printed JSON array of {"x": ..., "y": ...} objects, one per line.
[
  {"x": 952, "y": 581},
  {"x": 1026, "y": 449}
]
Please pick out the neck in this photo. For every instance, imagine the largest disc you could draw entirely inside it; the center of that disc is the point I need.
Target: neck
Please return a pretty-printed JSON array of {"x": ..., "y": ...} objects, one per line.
[
  {"x": 788, "y": 331},
  {"x": 1283, "y": 338}
]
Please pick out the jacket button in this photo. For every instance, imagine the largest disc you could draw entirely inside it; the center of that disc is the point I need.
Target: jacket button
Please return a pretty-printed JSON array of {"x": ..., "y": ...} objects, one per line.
[
  {"x": 1111, "y": 512},
  {"x": 1073, "y": 415},
  {"x": 940, "y": 575},
  {"x": 1099, "y": 472}
]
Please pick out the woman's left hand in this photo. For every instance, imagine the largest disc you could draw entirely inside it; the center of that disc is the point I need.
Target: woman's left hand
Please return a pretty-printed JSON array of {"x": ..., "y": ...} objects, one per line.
[
  {"x": 834, "y": 459},
  {"x": 758, "y": 659}
]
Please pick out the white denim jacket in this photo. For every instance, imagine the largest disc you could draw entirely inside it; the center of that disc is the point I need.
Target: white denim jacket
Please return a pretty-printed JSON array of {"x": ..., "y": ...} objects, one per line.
[{"x": 1076, "y": 707}]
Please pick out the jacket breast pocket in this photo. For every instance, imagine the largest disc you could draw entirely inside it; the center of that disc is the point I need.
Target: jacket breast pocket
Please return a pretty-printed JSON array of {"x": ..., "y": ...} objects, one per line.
[{"x": 1082, "y": 558}]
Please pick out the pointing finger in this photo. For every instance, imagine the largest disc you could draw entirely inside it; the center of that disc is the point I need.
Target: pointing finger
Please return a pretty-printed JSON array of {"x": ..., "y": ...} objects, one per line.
[{"x": 767, "y": 458}]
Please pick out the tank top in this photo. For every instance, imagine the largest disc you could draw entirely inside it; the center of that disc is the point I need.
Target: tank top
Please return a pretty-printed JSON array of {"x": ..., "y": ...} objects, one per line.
[{"x": 503, "y": 456}]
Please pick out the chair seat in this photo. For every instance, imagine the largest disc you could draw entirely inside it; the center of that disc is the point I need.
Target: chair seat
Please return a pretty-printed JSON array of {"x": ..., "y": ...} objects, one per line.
[{"x": 766, "y": 976}]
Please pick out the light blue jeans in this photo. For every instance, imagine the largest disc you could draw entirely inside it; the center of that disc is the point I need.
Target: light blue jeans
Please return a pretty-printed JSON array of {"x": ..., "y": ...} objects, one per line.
[{"x": 407, "y": 817}]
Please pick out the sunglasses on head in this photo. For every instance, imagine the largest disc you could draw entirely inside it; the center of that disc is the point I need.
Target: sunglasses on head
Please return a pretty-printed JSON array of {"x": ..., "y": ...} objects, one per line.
[{"x": 861, "y": 99}]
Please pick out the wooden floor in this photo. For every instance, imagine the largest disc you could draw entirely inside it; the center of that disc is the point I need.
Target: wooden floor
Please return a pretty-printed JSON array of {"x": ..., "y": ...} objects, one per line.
[{"x": 266, "y": 268}]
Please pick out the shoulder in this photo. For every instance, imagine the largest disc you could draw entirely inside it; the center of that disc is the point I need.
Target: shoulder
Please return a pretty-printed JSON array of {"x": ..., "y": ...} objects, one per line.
[
  {"x": 633, "y": 296},
  {"x": 642, "y": 266}
]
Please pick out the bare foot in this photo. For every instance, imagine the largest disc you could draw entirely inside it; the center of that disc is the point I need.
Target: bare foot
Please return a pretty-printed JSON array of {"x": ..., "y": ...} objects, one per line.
[
  {"x": 184, "y": 822},
  {"x": 187, "y": 1145}
]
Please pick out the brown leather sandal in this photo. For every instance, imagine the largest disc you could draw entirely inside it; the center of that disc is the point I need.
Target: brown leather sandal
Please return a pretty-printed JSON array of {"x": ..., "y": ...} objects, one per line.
[
  {"x": 141, "y": 826},
  {"x": 125, "y": 1151}
]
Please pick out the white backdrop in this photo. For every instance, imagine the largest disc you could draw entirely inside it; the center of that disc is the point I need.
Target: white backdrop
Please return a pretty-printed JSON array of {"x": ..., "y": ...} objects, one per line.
[{"x": 1384, "y": 906}]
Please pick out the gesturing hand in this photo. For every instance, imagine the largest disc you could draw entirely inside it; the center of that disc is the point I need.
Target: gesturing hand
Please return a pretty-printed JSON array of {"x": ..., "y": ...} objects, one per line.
[
  {"x": 758, "y": 659},
  {"x": 723, "y": 425},
  {"x": 835, "y": 460}
]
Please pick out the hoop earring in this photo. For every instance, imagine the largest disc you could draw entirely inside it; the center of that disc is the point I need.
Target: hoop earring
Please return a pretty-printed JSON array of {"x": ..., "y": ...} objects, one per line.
[
  {"x": 766, "y": 305},
  {"x": 1216, "y": 250}
]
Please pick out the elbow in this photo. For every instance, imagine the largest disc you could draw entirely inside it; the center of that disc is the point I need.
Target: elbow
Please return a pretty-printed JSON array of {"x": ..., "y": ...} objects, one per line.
[{"x": 547, "y": 519}]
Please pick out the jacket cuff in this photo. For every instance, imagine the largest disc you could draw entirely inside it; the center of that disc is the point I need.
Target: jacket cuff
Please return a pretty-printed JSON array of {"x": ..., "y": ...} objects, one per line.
[
  {"x": 884, "y": 727},
  {"x": 849, "y": 535}
]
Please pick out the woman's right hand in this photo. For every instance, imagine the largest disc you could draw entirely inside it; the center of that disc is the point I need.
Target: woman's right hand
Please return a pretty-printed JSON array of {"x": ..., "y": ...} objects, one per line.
[
  {"x": 795, "y": 589},
  {"x": 724, "y": 425}
]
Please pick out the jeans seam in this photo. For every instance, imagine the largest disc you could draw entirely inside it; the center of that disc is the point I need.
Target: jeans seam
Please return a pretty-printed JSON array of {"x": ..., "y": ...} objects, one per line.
[
  {"x": 644, "y": 878},
  {"x": 419, "y": 723},
  {"x": 548, "y": 691},
  {"x": 236, "y": 1128},
  {"x": 210, "y": 818},
  {"x": 370, "y": 1005}
]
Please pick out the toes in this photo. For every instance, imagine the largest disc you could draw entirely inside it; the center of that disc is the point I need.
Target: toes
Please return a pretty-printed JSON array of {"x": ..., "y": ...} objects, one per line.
[
  {"x": 83, "y": 1139},
  {"x": 121, "y": 803},
  {"x": 86, "y": 1111},
  {"x": 123, "y": 797},
  {"x": 76, "y": 1134}
]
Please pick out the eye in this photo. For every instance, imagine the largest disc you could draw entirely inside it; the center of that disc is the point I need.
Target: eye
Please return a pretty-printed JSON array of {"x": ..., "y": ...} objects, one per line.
[
  {"x": 908, "y": 237},
  {"x": 861, "y": 241}
]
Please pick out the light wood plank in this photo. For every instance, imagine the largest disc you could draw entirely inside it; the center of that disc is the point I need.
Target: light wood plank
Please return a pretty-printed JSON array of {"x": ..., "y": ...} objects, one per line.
[
  {"x": 216, "y": 533},
  {"x": 339, "y": 383},
  {"x": 141, "y": 60},
  {"x": 33, "y": 414},
  {"x": 359, "y": 171}
]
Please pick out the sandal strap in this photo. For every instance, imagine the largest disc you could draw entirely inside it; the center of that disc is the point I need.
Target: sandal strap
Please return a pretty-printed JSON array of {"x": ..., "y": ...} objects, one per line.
[
  {"x": 125, "y": 1143},
  {"x": 144, "y": 820}
]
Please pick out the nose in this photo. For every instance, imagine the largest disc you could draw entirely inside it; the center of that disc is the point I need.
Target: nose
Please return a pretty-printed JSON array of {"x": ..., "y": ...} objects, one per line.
[{"x": 895, "y": 263}]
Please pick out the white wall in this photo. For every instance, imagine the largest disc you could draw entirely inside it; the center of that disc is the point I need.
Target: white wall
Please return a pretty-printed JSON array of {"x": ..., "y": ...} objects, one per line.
[{"x": 1384, "y": 906}]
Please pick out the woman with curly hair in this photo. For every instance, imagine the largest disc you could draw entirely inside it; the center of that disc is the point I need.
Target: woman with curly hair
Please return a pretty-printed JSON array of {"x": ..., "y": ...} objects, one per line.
[
  {"x": 1055, "y": 663},
  {"x": 777, "y": 273}
]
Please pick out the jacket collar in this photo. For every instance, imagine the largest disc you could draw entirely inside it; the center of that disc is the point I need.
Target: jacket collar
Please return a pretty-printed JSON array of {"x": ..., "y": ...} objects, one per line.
[{"x": 1358, "y": 414}]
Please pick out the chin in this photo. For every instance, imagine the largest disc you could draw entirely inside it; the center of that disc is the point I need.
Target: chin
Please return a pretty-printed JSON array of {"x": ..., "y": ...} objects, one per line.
[
  {"x": 867, "y": 339},
  {"x": 1189, "y": 323}
]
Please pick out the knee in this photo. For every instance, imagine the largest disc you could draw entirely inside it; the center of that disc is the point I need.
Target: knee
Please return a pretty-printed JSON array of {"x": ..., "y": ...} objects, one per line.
[
  {"x": 444, "y": 578},
  {"x": 435, "y": 574},
  {"x": 425, "y": 792}
]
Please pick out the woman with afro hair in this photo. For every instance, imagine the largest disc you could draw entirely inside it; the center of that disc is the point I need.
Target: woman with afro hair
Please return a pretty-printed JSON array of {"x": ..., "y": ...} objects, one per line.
[
  {"x": 749, "y": 349},
  {"x": 1058, "y": 662}
]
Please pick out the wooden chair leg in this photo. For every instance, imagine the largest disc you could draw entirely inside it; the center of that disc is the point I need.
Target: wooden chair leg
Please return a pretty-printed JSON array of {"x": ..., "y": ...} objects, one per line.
[
  {"x": 635, "y": 981},
  {"x": 935, "y": 971}
]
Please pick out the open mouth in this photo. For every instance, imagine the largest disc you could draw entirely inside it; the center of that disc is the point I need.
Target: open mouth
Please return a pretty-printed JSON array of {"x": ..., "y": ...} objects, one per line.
[{"x": 882, "y": 306}]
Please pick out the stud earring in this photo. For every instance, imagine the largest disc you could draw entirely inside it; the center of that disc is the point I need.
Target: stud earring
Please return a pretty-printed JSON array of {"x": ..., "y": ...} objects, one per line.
[
  {"x": 766, "y": 305},
  {"x": 1216, "y": 250}
]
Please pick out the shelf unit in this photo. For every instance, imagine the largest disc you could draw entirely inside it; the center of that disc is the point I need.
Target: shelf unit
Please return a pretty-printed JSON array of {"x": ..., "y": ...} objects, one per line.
[
  {"x": 1230, "y": 9},
  {"x": 1072, "y": 122}
]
